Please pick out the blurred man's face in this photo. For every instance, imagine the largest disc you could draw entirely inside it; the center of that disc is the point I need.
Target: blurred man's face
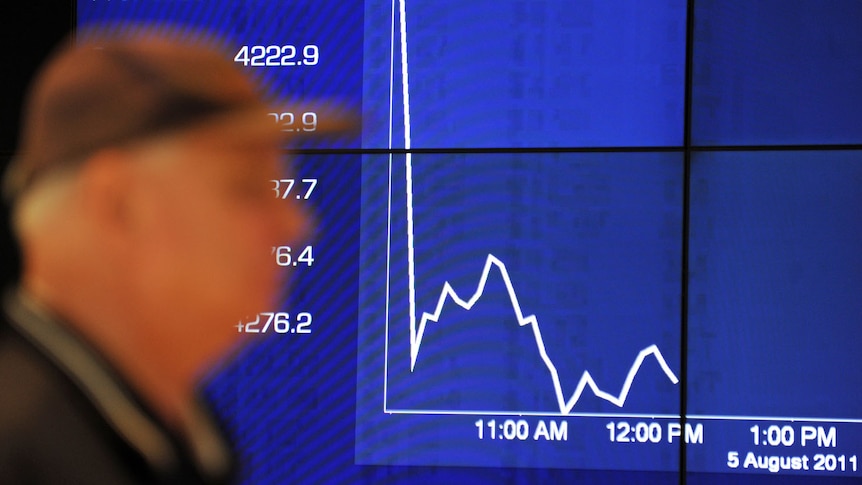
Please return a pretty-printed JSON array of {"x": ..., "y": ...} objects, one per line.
[{"x": 211, "y": 220}]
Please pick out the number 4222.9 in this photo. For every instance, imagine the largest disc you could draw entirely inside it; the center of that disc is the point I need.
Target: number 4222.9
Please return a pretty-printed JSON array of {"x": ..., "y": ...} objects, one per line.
[{"x": 278, "y": 55}]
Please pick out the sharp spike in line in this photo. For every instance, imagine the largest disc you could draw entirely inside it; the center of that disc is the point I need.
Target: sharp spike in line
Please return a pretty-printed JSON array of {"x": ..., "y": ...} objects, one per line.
[
  {"x": 586, "y": 379},
  {"x": 405, "y": 94}
]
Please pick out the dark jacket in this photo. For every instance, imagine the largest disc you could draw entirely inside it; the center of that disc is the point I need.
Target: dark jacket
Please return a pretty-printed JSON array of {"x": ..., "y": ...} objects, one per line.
[{"x": 67, "y": 417}]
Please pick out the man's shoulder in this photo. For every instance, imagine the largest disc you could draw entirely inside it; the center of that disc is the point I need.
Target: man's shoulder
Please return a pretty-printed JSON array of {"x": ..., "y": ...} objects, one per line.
[
  {"x": 47, "y": 428},
  {"x": 67, "y": 416},
  {"x": 27, "y": 380}
]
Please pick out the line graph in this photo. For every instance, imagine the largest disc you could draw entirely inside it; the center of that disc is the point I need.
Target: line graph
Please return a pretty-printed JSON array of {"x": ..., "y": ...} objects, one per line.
[
  {"x": 417, "y": 326},
  {"x": 586, "y": 379},
  {"x": 495, "y": 269}
]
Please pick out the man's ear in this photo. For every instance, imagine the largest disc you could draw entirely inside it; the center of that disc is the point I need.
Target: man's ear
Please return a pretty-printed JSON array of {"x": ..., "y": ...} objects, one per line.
[{"x": 108, "y": 194}]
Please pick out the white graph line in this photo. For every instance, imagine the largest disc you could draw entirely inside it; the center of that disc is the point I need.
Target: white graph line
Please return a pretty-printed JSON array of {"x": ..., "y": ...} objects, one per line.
[
  {"x": 405, "y": 82},
  {"x": 405, "y": 93},
  {"x": 586, "y": 378}
]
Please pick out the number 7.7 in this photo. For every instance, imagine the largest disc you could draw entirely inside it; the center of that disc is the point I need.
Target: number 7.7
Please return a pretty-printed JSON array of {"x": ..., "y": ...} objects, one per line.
[{"x": 312, "y": 183}]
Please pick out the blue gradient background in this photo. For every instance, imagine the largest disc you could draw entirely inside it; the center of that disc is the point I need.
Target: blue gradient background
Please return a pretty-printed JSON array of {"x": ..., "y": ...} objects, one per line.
[{"x": 777, "y": 72}]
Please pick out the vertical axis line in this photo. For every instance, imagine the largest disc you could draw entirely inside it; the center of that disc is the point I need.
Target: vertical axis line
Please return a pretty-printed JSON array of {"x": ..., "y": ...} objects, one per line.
[
  {"x": 389, "y": 209},
  {"x": 388, "y": 283},
  {"x": 391, "y": 75}
]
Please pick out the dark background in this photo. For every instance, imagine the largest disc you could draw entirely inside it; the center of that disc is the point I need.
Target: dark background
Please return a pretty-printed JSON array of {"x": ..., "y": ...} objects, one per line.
[{"x": 29, "y": 33}]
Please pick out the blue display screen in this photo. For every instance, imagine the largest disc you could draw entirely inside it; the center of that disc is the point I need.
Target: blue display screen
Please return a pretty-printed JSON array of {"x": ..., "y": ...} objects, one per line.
[
  {"x": 528, "y": 74},
  {"x": 574, "y": 241},
  {"x": 777, "y": 72},
  {"x": 554, "y": 74},
  {"x": 775, "y": 274}
]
